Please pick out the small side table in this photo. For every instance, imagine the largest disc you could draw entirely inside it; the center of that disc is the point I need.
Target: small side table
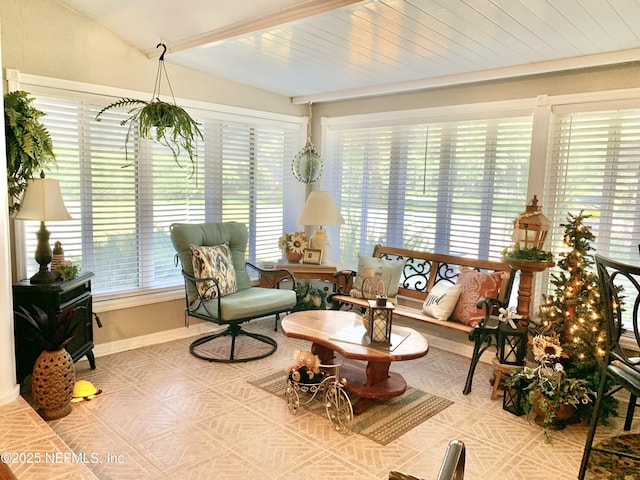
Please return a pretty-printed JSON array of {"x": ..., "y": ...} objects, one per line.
[
  {"x": 500, "y": 369},
  {"x": 302, "y": 271}
]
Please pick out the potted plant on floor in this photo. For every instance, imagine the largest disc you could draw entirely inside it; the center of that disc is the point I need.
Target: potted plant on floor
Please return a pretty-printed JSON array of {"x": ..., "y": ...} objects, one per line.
[
  {"x": 551, "y": 396},
  {"x": 310, "y": 297},
  {"x": 53, "y": 374},
  {"x": 28, "y": 144}
]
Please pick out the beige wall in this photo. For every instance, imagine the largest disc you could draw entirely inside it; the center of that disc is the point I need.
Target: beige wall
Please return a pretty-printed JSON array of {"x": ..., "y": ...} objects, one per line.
[
  {"x": 580, "y": 81},
  {"x": 43, "y": 38},
  {"x": 136, "y": 321}
]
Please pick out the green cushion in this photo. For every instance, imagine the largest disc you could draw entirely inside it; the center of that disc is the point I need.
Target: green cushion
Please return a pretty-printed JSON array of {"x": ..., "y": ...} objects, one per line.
[
  {"x": 209, "y": 234},
  {"x": 250, "y": 303}
]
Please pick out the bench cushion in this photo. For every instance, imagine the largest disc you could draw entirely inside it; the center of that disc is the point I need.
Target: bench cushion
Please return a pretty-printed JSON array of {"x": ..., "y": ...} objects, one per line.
[
  {"x": 474, "y": 285},
  {"x": 388, "y": 270},
  {"x": 441, "y": 300}
]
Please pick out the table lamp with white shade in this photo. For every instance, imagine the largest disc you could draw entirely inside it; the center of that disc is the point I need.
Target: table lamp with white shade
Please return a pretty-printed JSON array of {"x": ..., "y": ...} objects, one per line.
[
  {"x": 320, "y": 209},
  {"x": 43, "y": 201}
]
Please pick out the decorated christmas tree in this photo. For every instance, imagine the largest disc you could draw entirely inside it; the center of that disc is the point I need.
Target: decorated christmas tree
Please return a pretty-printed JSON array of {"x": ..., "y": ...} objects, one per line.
[{"x": 574, "y": 313}]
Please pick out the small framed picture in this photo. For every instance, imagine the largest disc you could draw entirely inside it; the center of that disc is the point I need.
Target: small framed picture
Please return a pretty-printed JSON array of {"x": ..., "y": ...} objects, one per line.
[{"x": 312, "y": 256}]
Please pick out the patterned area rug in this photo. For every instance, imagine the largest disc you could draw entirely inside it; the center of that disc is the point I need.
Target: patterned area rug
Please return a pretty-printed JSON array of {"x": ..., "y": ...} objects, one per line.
[
  {"x": 382, "y": 422},
  {"x": 615, "y": 458}
]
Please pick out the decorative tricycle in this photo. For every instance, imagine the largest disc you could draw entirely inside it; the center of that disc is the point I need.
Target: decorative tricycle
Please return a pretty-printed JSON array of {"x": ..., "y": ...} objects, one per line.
[{"x": 326, "y": 382}]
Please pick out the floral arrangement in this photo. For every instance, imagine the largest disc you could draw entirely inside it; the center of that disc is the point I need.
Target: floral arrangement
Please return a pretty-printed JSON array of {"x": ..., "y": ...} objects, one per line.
[
  {"x": 547, "y": 386},
  {"x": 295, "y": 242}
]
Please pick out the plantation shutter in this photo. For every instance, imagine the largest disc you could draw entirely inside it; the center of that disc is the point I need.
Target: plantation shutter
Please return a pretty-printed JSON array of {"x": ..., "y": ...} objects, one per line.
[
  {"x": 452, "y": 187},
  {"x": 122, "y": 205},
  {"x": 594, "y": 166}
]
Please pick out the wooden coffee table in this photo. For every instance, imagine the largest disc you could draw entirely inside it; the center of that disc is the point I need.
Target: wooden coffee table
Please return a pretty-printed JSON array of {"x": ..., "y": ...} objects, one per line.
[{"x": 337, "y": 336}]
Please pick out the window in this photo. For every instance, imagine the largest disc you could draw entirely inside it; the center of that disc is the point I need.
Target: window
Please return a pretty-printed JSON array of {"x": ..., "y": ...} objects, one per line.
[
  {"x": 448, "y": 187},
  {"x": 123, "y": 207},
  {"x": 595, "y": 167}
]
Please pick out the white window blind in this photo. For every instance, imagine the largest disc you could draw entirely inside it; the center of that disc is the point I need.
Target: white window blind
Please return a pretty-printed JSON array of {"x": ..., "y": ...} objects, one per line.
[
  {"x": 448, "y": 187},
  {"x": 122, "y": 208},
  {"x": 594, "y": 166}
]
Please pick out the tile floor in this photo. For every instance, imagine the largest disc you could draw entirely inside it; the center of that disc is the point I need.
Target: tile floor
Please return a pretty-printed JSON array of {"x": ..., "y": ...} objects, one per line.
[{"x": 166, "y": 414}]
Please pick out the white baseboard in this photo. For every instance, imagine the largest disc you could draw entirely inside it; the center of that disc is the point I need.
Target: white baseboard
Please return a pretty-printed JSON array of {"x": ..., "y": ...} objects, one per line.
[
  {"x": 11, "y": 395},
  {"x": 118, "y": 346},
  {"x": 102, "y": 349}
]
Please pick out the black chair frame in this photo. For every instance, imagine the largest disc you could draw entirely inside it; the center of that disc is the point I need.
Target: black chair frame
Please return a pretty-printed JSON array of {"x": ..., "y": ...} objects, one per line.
[
  {"x": 234, "y": 328},
  {"x": 617, "y": 365}
]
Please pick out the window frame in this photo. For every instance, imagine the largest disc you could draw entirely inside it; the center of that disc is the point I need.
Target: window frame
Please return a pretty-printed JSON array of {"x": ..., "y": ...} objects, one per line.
[{"x": 71, "y": 90}]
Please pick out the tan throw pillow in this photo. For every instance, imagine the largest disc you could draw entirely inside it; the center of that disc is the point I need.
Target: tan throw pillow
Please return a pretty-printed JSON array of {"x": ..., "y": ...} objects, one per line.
[
  {"x": 379, "y": 271},
  {"x": 441, "y": 301},
  {"x": 214, "y": 262},
  {"x": 473, "y": 286}
]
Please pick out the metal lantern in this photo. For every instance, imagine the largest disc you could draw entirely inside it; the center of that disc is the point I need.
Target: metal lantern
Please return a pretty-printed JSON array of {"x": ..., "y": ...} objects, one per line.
[
  {"x": 379, "y": 325},
  {"x": 512, "y": 344},
  {"x": 531, "y": 227},
  {"x": 514, "y": 398}
]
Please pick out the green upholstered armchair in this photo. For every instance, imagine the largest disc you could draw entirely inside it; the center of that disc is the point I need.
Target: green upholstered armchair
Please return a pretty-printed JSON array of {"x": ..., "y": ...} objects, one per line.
[{"x": 218, "y": 287}]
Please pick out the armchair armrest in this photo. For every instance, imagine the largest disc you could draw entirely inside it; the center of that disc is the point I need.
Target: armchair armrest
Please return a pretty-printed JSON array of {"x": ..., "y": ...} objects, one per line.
[
  {"x": 490, "y": 305},
  {"x": 275, "y": 278},
  {"x": 197, "y": 302}
]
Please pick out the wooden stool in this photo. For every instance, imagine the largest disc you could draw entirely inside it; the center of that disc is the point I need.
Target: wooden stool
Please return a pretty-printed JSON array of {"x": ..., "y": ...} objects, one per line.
[{"x": 499, "y": 369}]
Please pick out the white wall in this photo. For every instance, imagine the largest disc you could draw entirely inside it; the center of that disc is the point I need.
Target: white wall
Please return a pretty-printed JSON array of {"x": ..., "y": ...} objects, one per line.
[{"x": 8, "y": 388}]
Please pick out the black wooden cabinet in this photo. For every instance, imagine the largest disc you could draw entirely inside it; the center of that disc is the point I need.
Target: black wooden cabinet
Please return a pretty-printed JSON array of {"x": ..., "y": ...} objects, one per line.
[{"x": 53, "y": 298}]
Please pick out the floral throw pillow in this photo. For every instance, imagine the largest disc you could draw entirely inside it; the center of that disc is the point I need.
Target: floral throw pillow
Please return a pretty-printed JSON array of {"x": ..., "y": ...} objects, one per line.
[
  {"x": 214, "y": 262},
  {"x": 441, "y": 301},
  {"x": 473, "y": 286}
]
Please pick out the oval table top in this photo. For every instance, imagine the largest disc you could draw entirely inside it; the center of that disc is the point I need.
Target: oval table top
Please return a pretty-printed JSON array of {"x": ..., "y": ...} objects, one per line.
[{"x": 343, "y": 332}]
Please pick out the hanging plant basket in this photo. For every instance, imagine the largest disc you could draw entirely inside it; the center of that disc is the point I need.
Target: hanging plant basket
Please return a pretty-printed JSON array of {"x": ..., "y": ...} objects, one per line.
[{"x": 163, "y": 122}]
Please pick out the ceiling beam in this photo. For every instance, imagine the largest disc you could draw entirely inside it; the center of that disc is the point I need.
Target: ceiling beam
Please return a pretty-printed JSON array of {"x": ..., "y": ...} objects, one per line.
[{"x": 262, "y": 22}]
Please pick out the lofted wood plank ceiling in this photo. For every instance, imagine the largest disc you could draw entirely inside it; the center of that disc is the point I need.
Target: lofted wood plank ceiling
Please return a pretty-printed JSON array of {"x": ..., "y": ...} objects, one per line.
[{"x": 319, "y": 50}]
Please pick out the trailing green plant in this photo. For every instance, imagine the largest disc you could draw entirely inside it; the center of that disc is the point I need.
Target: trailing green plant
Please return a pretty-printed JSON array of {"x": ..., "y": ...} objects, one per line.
[
  {"x": 310, "y": 297},
  {"x": 28, "y": 143},
  {"x": 66, "y": 271},
  {"x": 548, "y": 386},
  {"x": 162, "y": 122},
  {"x": 529, "y": 254},
  {"x": 50, "y": 332}
]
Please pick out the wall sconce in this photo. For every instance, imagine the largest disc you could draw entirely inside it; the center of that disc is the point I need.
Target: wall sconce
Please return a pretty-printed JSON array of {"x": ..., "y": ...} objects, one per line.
[
  {"x": 43, "y": 201},
  {"x": 320, "y": 209}
]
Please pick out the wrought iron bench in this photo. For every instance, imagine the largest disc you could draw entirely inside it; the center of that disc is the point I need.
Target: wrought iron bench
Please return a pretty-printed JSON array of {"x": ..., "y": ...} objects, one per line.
[{"x": 421, "y": 271}]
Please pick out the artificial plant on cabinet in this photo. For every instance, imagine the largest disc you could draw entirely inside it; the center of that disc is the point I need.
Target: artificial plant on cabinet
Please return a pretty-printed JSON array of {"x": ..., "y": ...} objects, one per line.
[{"x": 28, "y": 143}]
